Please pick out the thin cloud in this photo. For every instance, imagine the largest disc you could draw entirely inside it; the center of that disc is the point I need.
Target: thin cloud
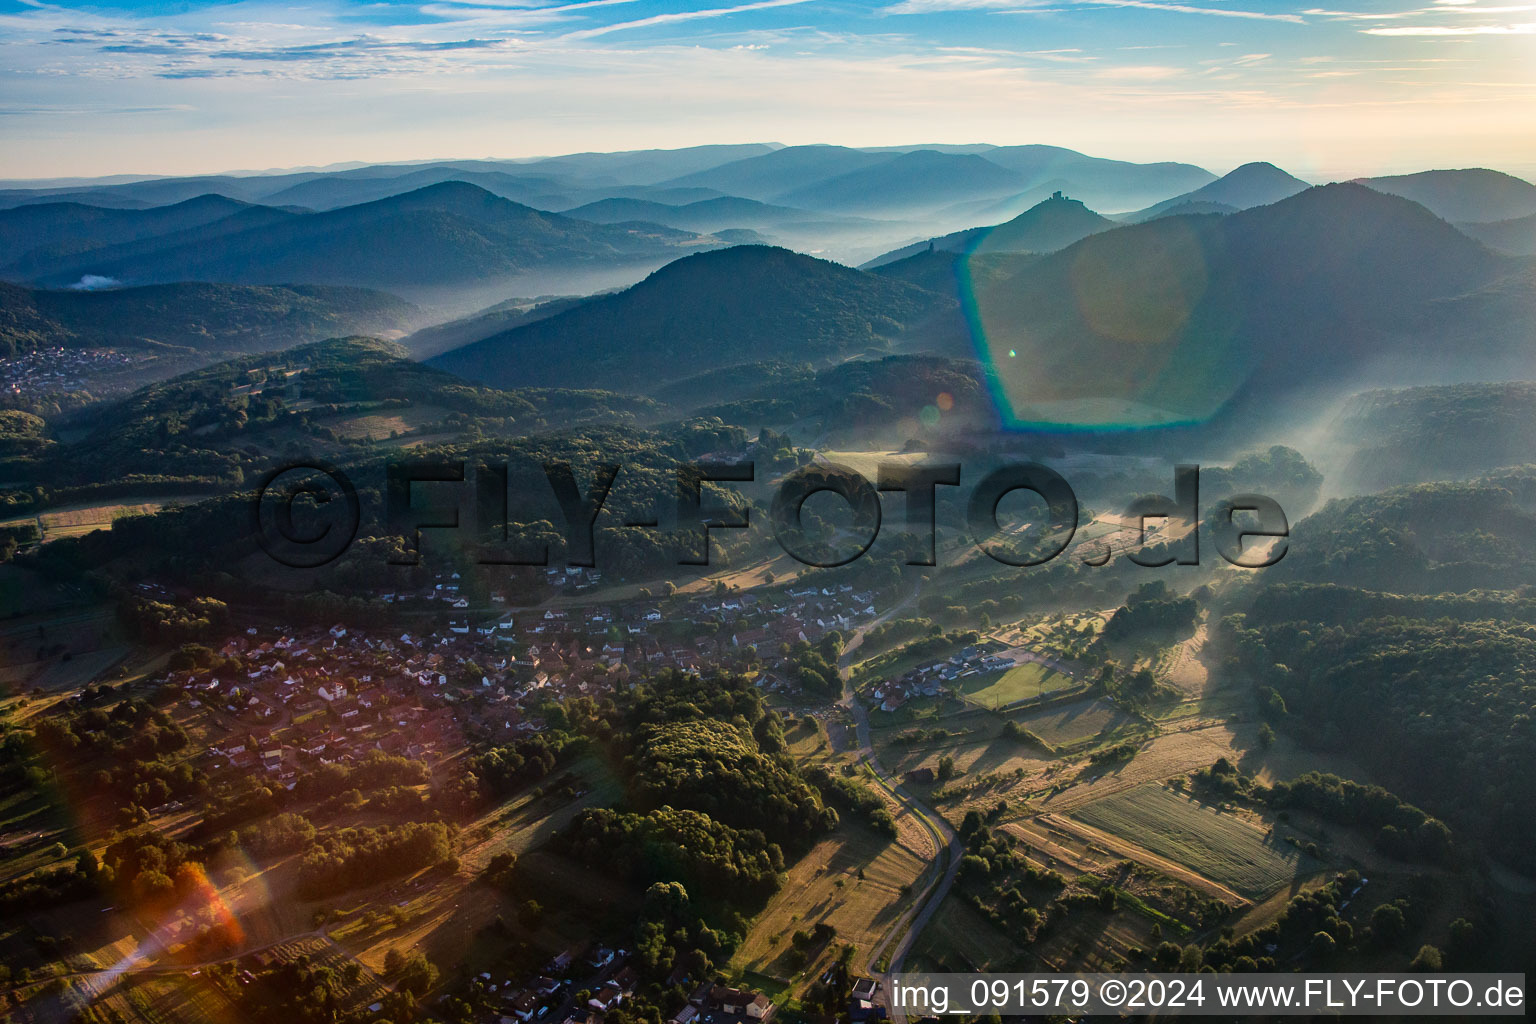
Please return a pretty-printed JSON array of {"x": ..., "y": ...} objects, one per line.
[
  {"x": 941, "y": 6},
  {"x": 1034, "y": 7},
  {"x": 1219, "y": 12},
  {"x": 667, "y": 19},
  {"x": 1454, "y": 30}
]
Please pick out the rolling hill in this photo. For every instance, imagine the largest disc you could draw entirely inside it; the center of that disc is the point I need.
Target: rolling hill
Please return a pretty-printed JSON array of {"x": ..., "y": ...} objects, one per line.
[
  {"x": 209, "y": 320},
  {"x": 769, "y": 175},
  {"x": 907, "y": 183},
  {"x": 951, "y": 273},
  {"x": 1053, "y": 224},
  {"x": 547, "y": 184},
  {"x": 49, "y": 232},
  {"x": 1254, "y": 184},
  {"x": 466, "y": 330},
  {"x": 699, "y": 313},
  {"x": 1473, "y": 194},
  {"x": 861, "y": 399},
  {"x": 1104, "y": 184},
  {"x": 1444, "y": 432},
  {"x": 335, "y": 397},
  {"x": 967, "y": 178},
  {"x": 705, "y": 216},
  {"x": 1516, "y": 236},
  {"x": 445, "y": 234},
  {"x": 337, "y": 190},
  {"x": 62, "y": 265}
]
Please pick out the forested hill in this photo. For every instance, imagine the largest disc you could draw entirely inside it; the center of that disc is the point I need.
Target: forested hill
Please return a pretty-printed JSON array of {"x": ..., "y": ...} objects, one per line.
[
  {"x": 212, "y": 320},
  {"x": 338, "y": 398},
  {"x": 1432, "y": 695},
  {"x": 1427, "y": 538},
  {"x": 451, "y": 233},
  {"x": 706, "y": 311},
  {"x": 1443, "y": 432}
]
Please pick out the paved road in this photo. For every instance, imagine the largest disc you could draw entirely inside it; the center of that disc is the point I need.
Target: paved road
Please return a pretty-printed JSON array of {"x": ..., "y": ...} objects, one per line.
[{"x": 899, "y": 940}]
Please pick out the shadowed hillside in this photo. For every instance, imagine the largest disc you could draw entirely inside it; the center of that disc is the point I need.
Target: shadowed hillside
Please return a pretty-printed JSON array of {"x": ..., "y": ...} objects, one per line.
[
  {"x": 1170, "y": 320},
  {"x": 705, "y": 311}
]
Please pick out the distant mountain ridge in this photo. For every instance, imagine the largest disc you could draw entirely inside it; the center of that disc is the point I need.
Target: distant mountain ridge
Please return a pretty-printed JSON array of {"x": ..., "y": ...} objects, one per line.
[
  {"x": 920, "y": 180},
  {"x": 444, "y": 234},
  {"x": 706, "y": 215},
  {"x": 874, "y": 181}
]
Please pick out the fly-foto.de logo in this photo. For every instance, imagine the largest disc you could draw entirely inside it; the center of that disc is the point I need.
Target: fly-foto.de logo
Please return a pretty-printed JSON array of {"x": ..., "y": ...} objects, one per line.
[{"x": 307, "y": 514}]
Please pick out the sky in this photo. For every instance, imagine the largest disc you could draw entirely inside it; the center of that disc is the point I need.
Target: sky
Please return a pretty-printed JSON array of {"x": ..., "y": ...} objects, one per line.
[{"x": 191, "y": 86}]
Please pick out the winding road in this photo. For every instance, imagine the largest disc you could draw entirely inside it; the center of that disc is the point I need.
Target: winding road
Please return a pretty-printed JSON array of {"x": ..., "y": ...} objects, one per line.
[{"x": 897, "y": 943}]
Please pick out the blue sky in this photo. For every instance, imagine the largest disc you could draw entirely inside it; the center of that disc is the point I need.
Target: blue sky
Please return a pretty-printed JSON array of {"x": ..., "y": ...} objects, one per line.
[{"x": 175, "y": 87}]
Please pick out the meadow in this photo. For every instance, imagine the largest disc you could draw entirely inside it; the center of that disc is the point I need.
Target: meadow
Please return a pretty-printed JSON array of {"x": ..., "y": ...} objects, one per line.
[{"x": 1024, "y": 681}]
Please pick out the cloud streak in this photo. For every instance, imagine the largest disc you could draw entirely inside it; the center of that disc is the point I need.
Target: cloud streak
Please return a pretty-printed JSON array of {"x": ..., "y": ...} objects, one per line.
[
  {"x": 677, "y": 16},
  {"x": 1453, "y": 30}
]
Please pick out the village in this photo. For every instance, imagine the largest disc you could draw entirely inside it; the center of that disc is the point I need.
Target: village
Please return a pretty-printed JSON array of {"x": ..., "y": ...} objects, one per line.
[
  {"x": 48, "y": 373},
  {"x": 604, "y": 977},
  {"x": 287, "y": 699}
]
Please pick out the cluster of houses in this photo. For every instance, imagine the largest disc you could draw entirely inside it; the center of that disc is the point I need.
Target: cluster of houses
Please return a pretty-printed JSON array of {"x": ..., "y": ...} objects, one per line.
[
  {"x": 601, "y": 970},
  {"x": 603, "y": 974},
  {"x": 290, "y": 698},
  {"x": 714, "y": 1003},
  {"x": 938, "y": 677},
  {"x": 49, "y": 372}
]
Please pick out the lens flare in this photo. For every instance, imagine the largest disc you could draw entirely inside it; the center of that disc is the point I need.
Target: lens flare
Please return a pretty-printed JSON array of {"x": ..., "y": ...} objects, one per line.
[{"x": 1124, "y": 333}]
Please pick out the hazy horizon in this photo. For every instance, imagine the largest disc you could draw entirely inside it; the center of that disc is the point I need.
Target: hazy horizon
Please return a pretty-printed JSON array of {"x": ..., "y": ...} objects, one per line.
[
  {"x": 160, "y": 89},
  {"x": 1313, "y": 175}
]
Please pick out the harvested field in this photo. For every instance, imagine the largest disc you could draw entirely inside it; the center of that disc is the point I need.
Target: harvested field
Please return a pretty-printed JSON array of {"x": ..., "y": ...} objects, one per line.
[
  {"x": 1220, "y": 846},
  {"x": 825, "y": 886},
  {"x": 1173, "y": 753}
]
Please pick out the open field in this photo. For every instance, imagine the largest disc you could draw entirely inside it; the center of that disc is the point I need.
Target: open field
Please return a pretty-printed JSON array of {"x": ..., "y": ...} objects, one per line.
[
  {"x": 1074, "y": 722},
  {"x": 1219, "y": 846},
  {"x": 526, "y": 821},
  {"x": 80, "y": 669},
  {"x": 825, "y": 886},
  {"x": 170, "y": 999},
  {"x": 866, "y": 463},
  {"x": 1022, "y": 682},
  {"x": 781, "y": 568},
  {"x": 958, "y": 938},
  {"x": 1170, "y": 753},
  {"x": 1072, "y": 847},
  {"x": 78, "y": 520},
  {"x": 380, "y": 426}
]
